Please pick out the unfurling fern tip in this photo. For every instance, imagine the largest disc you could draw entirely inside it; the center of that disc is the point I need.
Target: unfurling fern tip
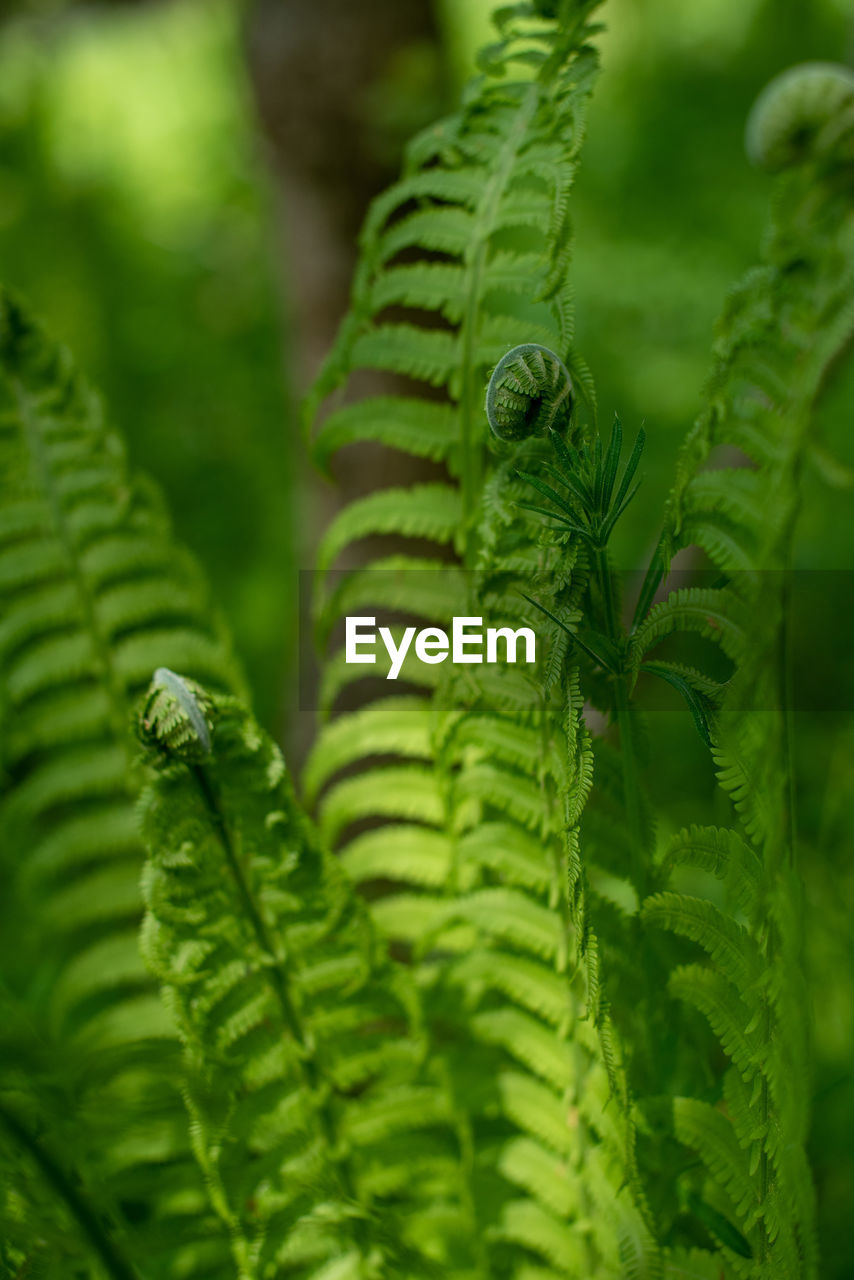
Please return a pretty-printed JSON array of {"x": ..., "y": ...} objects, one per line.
[
  {"x": 176, "y": 717},
  {"x": 800, "y": 113},
  {"x": 529, "y": 393}
]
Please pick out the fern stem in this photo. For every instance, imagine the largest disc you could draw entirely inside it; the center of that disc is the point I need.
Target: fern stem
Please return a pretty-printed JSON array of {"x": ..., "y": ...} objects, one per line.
[
  {"x": 606, "y": 586},
  {"x": 462, "y": 1125},
  {"x": 623, "y": 715},
  {"x": 631, "y": 784},
  {"x": 70, "y": 1191},
  {"x": 787, "y": 707},
  {"x": 570, "y": 916},
  {"x": 280, "y": 985},
  {"x": 464, "y": 1133},
  {"x": 258, "y": 927},
  {"x": 471, "y": 389}
]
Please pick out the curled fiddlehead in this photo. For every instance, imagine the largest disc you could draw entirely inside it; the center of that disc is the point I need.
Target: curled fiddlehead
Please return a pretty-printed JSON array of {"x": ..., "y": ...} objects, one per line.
[
  {"x": 530, "y": 391},
  {"x": 176, "y": 717},
  {"x": 798, "y": 112}
]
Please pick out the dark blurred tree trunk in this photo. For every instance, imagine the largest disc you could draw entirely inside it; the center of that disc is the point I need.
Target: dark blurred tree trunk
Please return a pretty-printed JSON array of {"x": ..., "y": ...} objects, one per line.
[{"x": 313, "y": 64}]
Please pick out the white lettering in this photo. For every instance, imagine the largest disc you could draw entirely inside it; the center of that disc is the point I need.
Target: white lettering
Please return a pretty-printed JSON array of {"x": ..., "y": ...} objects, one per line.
[
  {"x": 462, "y": 639},
  {"x": 396, "y": 654},
  {"x": 510, "y": 638},
  {"x": 431, "y": 645},
  {"x": 353, "y": 638}
]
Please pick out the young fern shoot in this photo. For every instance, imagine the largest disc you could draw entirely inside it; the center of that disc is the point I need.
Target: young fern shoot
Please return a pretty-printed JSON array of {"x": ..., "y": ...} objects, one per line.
[{"x": 312, "y": 1126}]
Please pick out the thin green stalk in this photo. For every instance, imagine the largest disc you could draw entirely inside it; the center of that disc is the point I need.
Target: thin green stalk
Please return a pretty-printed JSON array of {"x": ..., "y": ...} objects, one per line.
[
  {"x": 631, "y": 784},
  {"x": 280, "y": 985},
  {"x": 561, "y": 878},
  {"x": 471, "y": 394},
  {"x": 606, "y": 586},
  {"x": 623, "y": 716},
  {"x": 258, "y": 927}
]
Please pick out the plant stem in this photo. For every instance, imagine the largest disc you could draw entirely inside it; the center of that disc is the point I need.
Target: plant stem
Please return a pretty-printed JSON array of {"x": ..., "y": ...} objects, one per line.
[
  {"x": 259, "y": 929},
  {"x": 279, "y": 979},
  {"x": 606, "y": 586},
  {"x": 631, "y": 784},
  {"x": 471, "y": 391},
  {"x": 623, "y": 716}
]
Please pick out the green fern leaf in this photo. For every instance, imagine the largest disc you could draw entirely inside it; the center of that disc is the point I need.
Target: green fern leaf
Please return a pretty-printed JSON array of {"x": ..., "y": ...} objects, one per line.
[
  {"x": 280, "y": 994},
  {"x": 93, "y": 594}
]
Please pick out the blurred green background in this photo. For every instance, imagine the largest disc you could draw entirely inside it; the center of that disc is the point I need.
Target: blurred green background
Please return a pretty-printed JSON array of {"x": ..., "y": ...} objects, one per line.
[
  {"x": 135, "y": 216},
  {"x": 180, "y": 186}
]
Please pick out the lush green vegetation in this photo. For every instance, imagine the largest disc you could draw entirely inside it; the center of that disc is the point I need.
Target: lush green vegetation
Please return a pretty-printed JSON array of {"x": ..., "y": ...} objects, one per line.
[{"x": 533, "y": 973}]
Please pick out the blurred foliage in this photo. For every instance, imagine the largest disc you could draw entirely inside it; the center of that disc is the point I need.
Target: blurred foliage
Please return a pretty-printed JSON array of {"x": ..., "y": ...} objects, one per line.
[
  {"x": 667, "y": 213},
  {"x": 134, "y": 216}
]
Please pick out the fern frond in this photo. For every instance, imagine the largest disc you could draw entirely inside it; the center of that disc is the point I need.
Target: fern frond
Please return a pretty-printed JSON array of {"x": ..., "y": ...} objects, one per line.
[
  {"x": 488, "y": 895},
  {"x": 710, "y": 613},
  {"x": 723, "y": 853},
  {"x": 780, "y": 333},
  {"x": 728, "y": 944},
  {"x": 709, "y": 1132},
  {"x": 730, "y": 1018},
  {"x": 283, "y": 1000},
  {"x": 93, "y": 594}
]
